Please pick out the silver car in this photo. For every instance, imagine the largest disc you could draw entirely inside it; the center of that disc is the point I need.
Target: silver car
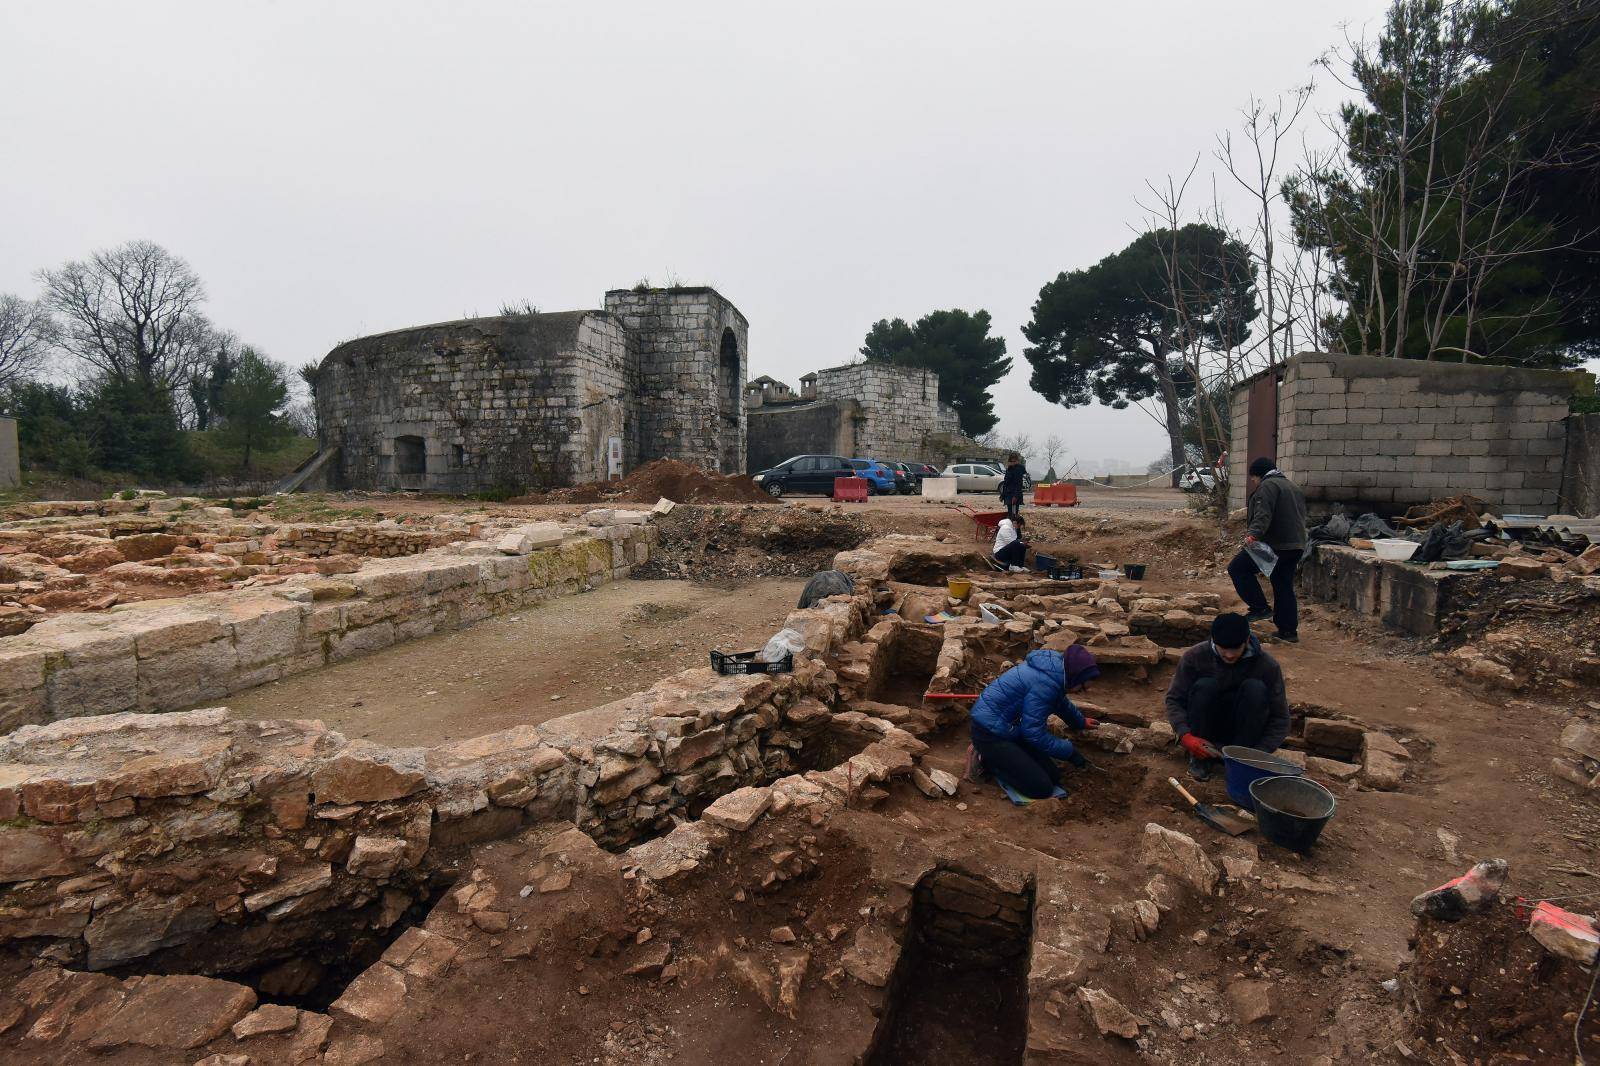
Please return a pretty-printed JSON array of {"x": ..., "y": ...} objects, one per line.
[{"x": 973, "y": 477}]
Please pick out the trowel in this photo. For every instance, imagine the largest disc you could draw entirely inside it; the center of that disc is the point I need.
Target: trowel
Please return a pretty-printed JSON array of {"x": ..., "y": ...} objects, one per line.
[{"x": 1232, "y": 822}]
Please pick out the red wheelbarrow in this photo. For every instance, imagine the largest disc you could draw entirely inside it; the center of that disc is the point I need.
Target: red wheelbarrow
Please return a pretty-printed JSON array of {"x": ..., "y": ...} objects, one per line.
[{"x": 984, "y": 522}]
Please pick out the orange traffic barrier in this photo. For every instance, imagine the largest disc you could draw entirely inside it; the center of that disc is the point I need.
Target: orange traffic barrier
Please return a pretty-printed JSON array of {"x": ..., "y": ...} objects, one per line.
[
  {"x": 850, "y": 489},
  {"x": 1060, "y": 494}
]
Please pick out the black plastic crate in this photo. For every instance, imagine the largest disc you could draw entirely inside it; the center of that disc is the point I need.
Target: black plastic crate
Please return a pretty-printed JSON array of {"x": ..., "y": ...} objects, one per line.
[
  {"x": 745, "y": 662},
  {"x": 1071, "y": 572}
]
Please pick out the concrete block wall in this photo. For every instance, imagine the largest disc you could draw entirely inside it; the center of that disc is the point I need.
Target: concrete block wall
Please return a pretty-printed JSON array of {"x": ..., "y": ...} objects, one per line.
[{"x": 1390, "y": 433}]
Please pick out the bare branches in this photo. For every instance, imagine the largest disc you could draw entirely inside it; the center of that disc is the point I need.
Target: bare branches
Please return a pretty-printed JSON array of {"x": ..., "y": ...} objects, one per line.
[
  {"x": 132, "y": 313},
  {"x": 27, "y": 334}
]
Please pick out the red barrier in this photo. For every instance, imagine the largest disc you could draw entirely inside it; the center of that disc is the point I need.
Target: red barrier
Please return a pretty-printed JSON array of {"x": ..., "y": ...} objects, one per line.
[
  {"x": 1060, "y": 494},
  {"x": 850, "y": 489}
]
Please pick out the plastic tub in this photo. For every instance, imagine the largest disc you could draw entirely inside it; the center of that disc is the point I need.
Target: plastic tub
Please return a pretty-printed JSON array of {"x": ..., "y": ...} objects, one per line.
[
  {"x": 1110, "y": 575},
  {"x": 1395, "y": 550},
  {"x": 1135, "y": 571},
  {"x": 959, "y": 588},
  {"x": 1244, "y": 765},
  {"x": 1291, "y": 811}
]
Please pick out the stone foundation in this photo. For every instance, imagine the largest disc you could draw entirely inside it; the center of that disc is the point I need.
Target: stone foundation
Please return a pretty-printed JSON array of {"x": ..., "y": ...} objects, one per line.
[
  {"x": 1401, "y": 595},
  {"x": 167, "y": 654}
]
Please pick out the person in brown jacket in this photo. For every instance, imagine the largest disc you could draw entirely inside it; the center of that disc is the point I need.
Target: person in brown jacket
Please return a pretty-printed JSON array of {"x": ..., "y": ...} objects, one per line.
[{"x": 1227, "y": 690}]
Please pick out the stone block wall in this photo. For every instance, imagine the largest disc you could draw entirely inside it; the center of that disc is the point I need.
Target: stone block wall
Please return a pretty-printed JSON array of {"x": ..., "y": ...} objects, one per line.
[
  {"x": 168, "y": 654},
  {"x": 219, "y": 844},
  {"x": 692, "y": 351},
  {"x": 827, "y": 427},
  {"x": 1392, "y": 433},
  {"x": 899, "y": 409},
  {"x": 518, "y": 400},
  {"x": 1580, "y": 471}
]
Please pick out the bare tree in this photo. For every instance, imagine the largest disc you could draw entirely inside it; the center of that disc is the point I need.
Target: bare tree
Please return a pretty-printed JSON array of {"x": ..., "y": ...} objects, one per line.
[
  {"x": 1022, "y": 444},
  {"x": 132, "y": 313},
  {"x": 1051, "y": 450},
  {"x": 27, "y": 333}
]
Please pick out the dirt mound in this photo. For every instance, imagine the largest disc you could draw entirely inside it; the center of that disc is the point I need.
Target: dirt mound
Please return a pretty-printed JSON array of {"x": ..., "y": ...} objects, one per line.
[
  {"x": 723, "y": 543},
  {"x": 677, "y": 481},
  {"x": 1544, "y": 635},
  {"x": 1487, "y": 990}
]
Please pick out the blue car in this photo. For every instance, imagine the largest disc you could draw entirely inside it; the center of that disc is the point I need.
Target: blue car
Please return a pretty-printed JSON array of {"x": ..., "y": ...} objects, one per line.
[{"x": 879, "y": 477}]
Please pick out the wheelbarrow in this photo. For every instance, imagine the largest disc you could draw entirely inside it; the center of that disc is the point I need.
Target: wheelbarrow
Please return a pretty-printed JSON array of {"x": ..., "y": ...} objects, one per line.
[{"x": 984, "y": 522}]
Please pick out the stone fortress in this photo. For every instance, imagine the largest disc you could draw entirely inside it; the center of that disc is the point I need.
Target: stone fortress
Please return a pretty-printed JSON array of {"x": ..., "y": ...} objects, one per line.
[
  {"x": 531, "y": 401},
  {"x": 535, "y": 400},
  {"x": 865, "y": 410}
]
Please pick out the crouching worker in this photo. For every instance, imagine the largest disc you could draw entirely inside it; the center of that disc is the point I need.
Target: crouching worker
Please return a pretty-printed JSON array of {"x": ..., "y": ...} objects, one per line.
[
  {"x": 1227, "y": 690},
  {"x": 1010, "y": 730},
  {"x": 1010, "y": 550}
]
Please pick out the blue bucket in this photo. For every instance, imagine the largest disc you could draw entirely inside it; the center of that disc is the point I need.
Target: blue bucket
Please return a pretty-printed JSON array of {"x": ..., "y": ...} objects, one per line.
[{"x": 1245, "y": 765}]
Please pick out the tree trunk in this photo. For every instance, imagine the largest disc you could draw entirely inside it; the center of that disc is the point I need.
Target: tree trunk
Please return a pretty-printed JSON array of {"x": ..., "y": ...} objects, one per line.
[{"x": 1169, "y": 399}]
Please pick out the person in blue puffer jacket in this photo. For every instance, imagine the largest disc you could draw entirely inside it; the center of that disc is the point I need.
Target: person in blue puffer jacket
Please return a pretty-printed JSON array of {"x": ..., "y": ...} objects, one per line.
[{"x": 1010, "y": 730}]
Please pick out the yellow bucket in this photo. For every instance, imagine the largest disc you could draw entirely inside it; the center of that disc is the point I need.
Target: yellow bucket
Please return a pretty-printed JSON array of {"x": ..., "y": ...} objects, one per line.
[{"x": 960, "y": 588}]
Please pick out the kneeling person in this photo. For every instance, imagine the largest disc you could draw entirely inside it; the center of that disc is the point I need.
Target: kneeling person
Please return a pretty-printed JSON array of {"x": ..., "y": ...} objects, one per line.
[
  {"x": 1010, "y": 730},
  {"x": 1227, "y": 690},
  {"x": 1010, "y": 550}
]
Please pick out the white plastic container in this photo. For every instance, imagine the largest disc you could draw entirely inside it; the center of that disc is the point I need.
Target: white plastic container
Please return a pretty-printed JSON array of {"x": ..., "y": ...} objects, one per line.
[
  {"x": 993, "y": 612},
  {"x": 1394, "y": 549}
]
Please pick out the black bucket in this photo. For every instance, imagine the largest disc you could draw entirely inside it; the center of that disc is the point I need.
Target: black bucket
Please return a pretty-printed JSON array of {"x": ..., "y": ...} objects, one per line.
[
  {"x": 1291, "y": 811},
  {"x": 1134, "y": 571}
]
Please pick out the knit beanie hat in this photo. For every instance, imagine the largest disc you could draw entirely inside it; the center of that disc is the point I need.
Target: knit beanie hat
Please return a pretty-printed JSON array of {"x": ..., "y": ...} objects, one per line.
[
  {"x": 1262, "y": 467},
  {"x": 1230, "y": 631}
]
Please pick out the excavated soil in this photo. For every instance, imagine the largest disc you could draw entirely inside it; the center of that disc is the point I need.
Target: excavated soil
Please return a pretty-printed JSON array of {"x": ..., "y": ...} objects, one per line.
[
  {"x": 737, "y": 543},
  {"x": 1487, "y": 991},
  {"x": 667, "y": 478}
]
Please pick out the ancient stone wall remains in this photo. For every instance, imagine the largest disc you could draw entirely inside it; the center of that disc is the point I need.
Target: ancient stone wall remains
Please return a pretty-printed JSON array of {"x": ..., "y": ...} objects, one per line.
[
  {"x": 1392, "y": 433},
  {"x": 516, "y": 400},
  {"x": 223, "y": 843},
  {"x": 692, "y": 350},
  {"x": 825, "y": 427},
  {"x": 900, "y": 408},
  {"x": 172, "y": 653}
]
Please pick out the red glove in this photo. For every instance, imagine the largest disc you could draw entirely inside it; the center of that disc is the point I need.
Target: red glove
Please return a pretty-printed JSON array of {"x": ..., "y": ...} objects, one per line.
[
  {"x": 1090, "y": 723},
  {"x": 1199, "y": 747}
]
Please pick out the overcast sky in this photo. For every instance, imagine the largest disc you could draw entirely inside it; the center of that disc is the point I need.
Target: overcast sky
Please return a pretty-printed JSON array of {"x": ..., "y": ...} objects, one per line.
[{"x": 333, "y": 170}]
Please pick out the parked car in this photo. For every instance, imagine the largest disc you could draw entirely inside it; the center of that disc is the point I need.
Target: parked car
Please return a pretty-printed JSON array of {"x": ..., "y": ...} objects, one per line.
[
  {"x": 907, "y": 477},
  {"x": 1193, "y": 480},
  {"x": 879, "y": 477},
  {"x": 925, "y": 470},
  {"x": 804, "y": 473},
  {"x": 1027, "y": 478},
  {"x": 973, "y": 477}
]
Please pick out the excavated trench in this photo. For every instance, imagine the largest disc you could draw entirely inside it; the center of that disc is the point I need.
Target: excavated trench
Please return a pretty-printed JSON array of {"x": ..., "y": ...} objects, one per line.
[
  {"x": 959, "y": 993},
  {"x": 308, "y": 966}
]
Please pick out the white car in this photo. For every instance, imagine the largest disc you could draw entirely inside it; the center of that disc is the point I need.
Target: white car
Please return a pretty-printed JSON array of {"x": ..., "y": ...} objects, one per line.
[
  {"x": 973, "y": 477},
  {"x": 1197, "y": 480}
]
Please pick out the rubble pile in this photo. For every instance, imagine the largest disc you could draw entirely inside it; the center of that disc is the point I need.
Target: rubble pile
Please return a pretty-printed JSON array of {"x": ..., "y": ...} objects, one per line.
[
  {"x": 1528, "y": 633},
  {"x": 663, "y": 478}
]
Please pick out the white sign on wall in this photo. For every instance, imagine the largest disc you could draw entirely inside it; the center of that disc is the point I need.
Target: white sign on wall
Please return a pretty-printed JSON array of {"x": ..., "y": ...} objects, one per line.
[{"x": 614, "y": 459}]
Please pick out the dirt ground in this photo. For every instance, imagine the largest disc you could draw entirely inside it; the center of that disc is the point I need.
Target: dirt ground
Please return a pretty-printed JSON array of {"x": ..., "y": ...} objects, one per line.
[{"x": 524, "y": 668}]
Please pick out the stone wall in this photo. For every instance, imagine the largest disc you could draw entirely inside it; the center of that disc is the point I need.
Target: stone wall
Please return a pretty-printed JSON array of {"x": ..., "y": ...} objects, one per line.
[
  {"x": 10, "y": 457},
  {"x": 1392, "y": 433},
  {"x": 1580, "y": 471},
  {"x": 173, "y": 653},
  {"x": 220, "y": 844},
  {"x": 692, "y": 348},
  {"x": 900, "y": 409},
  {"x": 516, "y": 400},
  {"x": 826, "y": 427}
]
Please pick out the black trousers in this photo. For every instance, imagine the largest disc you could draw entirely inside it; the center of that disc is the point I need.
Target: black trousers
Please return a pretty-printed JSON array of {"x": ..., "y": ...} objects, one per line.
[
  {"x": 1238, "y": 716},
  {"x": 1013, "y": 507},
  {"x": 1285, "y": 608},
  {"x": 1013, "y": 554},
  {"x": 1028, "y": 770}
]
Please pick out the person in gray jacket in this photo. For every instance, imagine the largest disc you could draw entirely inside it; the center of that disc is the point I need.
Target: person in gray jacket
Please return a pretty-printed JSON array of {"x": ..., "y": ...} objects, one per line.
[
  {"x": 1278, "y": 520},
  {"x": 1226, "y": 690}
]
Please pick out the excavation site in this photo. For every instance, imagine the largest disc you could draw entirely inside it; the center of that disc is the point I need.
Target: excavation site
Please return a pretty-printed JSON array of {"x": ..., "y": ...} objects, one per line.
[{"x": 345, "y": 780}]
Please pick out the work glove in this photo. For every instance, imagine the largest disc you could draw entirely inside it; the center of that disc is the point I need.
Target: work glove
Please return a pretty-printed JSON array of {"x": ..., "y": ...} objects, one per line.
[
  {"x": 1090, "y": 723},
  {"x": 1199, "y": 747},
  {"x": 1078, "y": 761}
]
